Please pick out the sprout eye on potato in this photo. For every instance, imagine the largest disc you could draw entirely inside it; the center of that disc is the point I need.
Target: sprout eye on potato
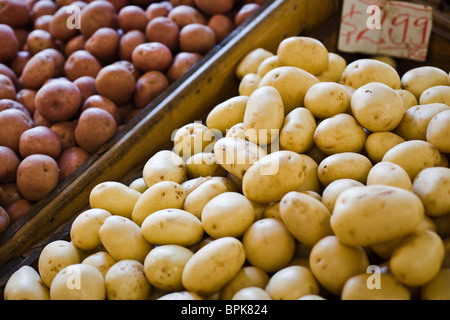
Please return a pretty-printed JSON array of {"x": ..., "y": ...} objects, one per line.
[{"x": 315, "y": 171}]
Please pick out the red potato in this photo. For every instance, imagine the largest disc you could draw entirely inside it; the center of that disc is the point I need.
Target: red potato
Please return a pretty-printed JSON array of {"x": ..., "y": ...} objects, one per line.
[
  {"x": 104, "y": 45},
  {"x": 43, "y": 7},
  {"x": 58, "y": 100},
  {"x": 115, "y": 82},
  {"x": 184, "y": 15},
  {"x": 39, "y": 40},
  {"x": 96, "y": 15},
  {"x": 21, "y": 36},
  {"x": 94, "y": 128},
  {"x": 41, "y": 67},
  {"x": 9, "y": 44},
  {"x": 130, "y": 67},
  {"x": 65, "y": 131},
  {"x": 43, "y": 22},
  {"x": 18, "y": 209},
  {"x": 14, "y": 13},
  {"x": 98, "y": 101},
  {"x": 214, "y": 7},
  {"x": 163, "y": 30},
  {"x": 9, "y": 72},
  {"x": 182, "y": 62},
  {"x": 245, "y": 12},
  {"x": 26, "y": 98},
  {"x": 128, "y": 42},
  {"x": 158, "y": 9},
  {"x": 86, "y": 85},
  {"x": 197, "y": 38},
  {"x": 148, "y": 87},
  {"x": 20, "y": 61},
  {"x": 119, "y": 4},
  {"x": 9, "y": 164},
  {"x": 132, "y": 17},
  {"x": 5, "y": 221},
  {"x": 12, "y": 124},
  {"x": 8, "y": 194},
  {"x": 37, "y": 176},
  {"x": 58, "y": 26},
  {"x": 177, "y": 3},
  {"x": 13, "y": 104},
  {"x": 76, "y": 43},
  {"x": 7, "y": 88},
  {"x": 152, "y": 56},
  {"x": 221, "y": 25},
  {"x": 40, "y": 140},
  {"x": 70, "y": 160},
  {"x": 81, "y": 63},
  {"x": 39, "y": 120}
]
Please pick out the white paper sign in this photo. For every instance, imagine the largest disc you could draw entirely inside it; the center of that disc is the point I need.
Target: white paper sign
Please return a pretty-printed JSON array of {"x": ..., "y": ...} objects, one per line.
[{"x": 383, "y": 27}]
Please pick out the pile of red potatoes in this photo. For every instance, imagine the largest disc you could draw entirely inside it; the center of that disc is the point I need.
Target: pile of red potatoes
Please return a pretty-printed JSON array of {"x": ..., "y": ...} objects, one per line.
[{"x": 72, "y": 73}]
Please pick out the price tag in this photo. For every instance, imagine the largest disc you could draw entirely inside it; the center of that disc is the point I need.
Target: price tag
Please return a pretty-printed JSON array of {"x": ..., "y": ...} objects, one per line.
[{"x": 383, "y": 27}]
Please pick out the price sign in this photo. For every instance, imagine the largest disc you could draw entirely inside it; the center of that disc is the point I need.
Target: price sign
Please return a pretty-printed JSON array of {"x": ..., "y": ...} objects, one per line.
[{"x": 382, "y": 27}]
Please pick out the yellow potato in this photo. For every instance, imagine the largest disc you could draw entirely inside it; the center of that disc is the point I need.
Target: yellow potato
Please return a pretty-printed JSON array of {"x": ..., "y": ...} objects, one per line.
[
  {"x": 126, "y": 280},
  {"x": 409, "y": 100},
  {"x": 335, "y": 68},
  {"x": 213, "y": 266},
  {"x": 192, "y": 138},
  {"x": 248, "y": 276},
  {"x": 123, "y": 239},
  {"x": 264, "y": 115},
  {"x": 326, "y": 99},
  {"x": 390, "y": 174},
  {"x": 251, "y": 62},
  {"x": 437, "y": 94},
  {"x": 203, "y": 164},
  {"x": 438, "y": 288},
  {"x": 114, "y": 197},
  {"x": 333, "y": 263},
  {"x": 339, "y": 133},
  {"x": 413, "y": 156},
  {"x": 389, "y": 288},
  {"x": 172, "y": 226},
  {"x": 268, "y": 244},
  {"x": 305, "y": 53},
  {"x": 267, "y": 65},
  {"x": 282, "y": 78},
  {"x": 251, "y": 293},
  {"x": 138, "y": 184},
  {"x": 164, "y": 165},
  {"x": 307, "y": 219},
  {"x": 377, "y": 107},
  {"x": 85, "y": 227},
  {"x": 298, "y": 130},
  {"x": 415, "y": 121},
  {"x": 181, "y": 295},
  {"x": 55, "y": 256},
  {"x": 236, "y": 131},
  {"x": 231, "y": 182},
  {"x": 101, "y": 260},
  {"x": 26, "y": 284},
  {"x": 364, "y": 71},
  {"x": 367, "y": 215},
  {"x": 248, "y": 84},
  {"x": 237, "y": 155},
  {"x": 432, "y": 185},
  {"x": 78, "y": 282},
  {"x": 274, "y": 175},
  {"x": 378, "y": 143},
  {"x": 161, "y": 195},
  {"x": 438, "y": 131},
  {"x": 198, "y": 198},
  {"x": 418, "y": 258},
  {"x": 311, "y": 182},
  {"x": 345, "y": 165},
  {"x": 292, "y": 283},
  {"x": 334, "y": 189},
  {"x": 419, "y": 79},
  {"x": 228, "y": 214},
  {"x": 272, "y": 211},
  {"x": 228, "y": 113},
  {"x": 386, "y": 59},
  {"x": 163, "y": 266}
]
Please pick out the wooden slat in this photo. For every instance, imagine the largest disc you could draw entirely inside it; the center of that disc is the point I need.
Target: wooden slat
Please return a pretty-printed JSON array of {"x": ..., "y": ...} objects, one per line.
[{"x": 206, "y": 86}]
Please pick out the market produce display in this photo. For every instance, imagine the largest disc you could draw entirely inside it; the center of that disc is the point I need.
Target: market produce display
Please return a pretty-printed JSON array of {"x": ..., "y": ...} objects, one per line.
[
  {"x": 276, "y": 196},
  {"x": 73, "y": 73}
]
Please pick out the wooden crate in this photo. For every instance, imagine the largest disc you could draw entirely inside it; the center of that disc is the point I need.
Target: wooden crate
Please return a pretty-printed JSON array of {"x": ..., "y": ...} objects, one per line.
[{"x": 189, "y": 99}]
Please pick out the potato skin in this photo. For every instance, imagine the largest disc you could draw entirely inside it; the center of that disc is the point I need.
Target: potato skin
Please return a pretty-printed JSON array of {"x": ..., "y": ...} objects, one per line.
[
  {"x": 10, "y": 45},
  {"x": 10, "y": 162},
  {"x": 116, "y": 83},
  {"x": 148, "y": 87},
  {"x": 40, "y": 140},
  {"x": 13, "y": 123},
  {"x": 81, "y": 63},
  {"x": 70, "y": 159}
]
